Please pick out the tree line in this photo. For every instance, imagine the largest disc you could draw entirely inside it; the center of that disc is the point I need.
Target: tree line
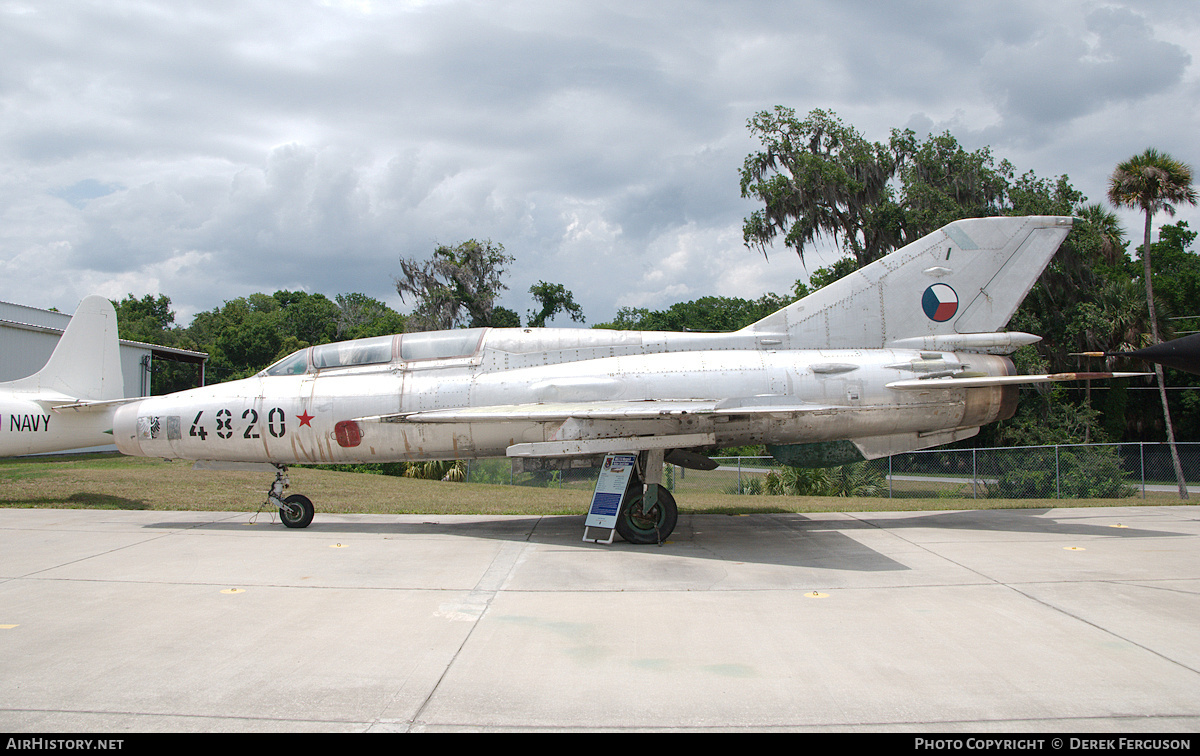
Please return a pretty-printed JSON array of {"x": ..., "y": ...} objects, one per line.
[{"x": 814, "y": 177}]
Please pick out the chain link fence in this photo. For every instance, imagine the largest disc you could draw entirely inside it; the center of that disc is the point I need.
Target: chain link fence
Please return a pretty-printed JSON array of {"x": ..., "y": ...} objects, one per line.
[{"x": 1092, "y": 471}]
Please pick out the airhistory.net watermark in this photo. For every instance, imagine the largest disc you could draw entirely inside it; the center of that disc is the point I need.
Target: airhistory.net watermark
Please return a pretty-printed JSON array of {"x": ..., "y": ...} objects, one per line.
[{"x": 63, "y": 744}]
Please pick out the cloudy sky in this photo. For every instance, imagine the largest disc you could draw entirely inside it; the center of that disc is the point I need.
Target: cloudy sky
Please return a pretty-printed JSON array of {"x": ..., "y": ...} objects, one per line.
[{"x": 210, "y": 149}]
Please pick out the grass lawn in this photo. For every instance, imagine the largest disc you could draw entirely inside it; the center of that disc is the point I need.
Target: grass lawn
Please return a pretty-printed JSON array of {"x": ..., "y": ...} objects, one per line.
[{"x": 110, "y": 481}]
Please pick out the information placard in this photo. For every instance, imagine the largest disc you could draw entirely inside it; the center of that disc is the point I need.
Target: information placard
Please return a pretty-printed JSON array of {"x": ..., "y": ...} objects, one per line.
[{"x": 610, "y": 489}]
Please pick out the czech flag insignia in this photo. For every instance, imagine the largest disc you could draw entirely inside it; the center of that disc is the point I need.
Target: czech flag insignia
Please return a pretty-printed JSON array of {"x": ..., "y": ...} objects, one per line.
[{"x": 940, "y": 302}]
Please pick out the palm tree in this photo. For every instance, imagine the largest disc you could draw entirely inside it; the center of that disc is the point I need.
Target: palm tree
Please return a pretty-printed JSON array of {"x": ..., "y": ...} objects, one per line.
[{"x": 1154, "y": 181}]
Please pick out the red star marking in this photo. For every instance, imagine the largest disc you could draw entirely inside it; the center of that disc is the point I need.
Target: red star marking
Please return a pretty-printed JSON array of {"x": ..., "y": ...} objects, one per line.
[{"x": 305, "y": 419}]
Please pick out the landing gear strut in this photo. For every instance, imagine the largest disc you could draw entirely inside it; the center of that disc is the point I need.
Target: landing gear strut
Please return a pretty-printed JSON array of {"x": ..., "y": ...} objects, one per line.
[
  {"x": 638, "y": 523},
  {"x": 296, "y": 511}
]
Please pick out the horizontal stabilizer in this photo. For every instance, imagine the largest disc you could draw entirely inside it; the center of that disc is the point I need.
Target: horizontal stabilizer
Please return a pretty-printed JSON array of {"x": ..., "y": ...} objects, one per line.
[
  {"x": 950, "y": 382},
  {"x": 90, "y": 406}
]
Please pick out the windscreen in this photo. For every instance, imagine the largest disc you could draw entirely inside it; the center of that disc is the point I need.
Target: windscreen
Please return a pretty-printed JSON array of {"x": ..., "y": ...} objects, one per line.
[{"x": 294, "y": 364}]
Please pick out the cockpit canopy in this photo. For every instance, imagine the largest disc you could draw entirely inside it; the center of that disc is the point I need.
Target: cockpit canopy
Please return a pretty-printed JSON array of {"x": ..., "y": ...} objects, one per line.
[
  {"x": 357, "y": 352},
  {"x": 378, "y": 350}
]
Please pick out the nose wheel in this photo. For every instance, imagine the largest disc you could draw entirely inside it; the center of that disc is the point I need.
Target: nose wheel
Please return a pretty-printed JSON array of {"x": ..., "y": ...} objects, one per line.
[{"x": 295, "y": 511}]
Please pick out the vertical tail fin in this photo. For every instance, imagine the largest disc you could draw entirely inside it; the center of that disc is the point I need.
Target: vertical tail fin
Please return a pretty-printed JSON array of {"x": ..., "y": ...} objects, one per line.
[
  {"x": 968, "y": 277},
  {"x": 86, "y": 363}
]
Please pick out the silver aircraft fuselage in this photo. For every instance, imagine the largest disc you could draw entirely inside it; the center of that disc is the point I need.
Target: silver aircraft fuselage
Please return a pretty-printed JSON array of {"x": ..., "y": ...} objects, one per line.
[{"x": 557, "y": 392}]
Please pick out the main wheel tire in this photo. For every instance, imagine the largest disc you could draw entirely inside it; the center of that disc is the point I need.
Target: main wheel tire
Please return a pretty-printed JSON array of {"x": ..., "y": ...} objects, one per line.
[
  {"x": 299, "y": 512},
  {"x": 652, "y": 527}
]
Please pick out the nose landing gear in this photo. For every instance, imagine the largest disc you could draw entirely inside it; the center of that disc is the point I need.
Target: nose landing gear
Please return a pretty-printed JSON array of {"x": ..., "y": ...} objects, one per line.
[{"x": 295, "y": 511}]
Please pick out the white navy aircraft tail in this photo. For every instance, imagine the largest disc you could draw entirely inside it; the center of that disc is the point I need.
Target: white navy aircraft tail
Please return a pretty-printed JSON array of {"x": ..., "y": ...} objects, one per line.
[
  {"x": 67, "y": 404},
  {"x": 86, "y": 363},
  {"x": 953, "y": 289}
]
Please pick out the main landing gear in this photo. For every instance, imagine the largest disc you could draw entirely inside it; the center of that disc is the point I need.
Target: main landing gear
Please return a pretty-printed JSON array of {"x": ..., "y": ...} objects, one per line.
[
  {"x": 648, "y": 513},
  {"x": 295, "y": 511}
]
